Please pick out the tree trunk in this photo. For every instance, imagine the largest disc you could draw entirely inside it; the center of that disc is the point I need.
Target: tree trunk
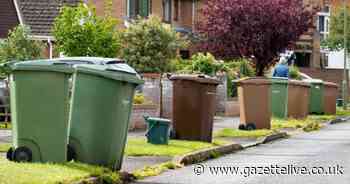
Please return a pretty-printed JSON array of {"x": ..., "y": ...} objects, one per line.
[{"x": 260, "y": 70}]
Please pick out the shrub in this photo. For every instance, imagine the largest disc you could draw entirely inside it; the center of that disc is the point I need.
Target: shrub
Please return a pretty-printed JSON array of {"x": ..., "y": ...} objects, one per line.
[
  {"x": 19, "y": 47},
  {"x": 149, "y": 45},
  {"x": 294, "y": 73},
  {"x": 206, "y": 64}
]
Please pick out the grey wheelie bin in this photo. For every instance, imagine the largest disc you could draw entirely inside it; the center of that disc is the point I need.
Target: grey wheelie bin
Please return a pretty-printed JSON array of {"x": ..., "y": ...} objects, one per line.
[
  {"x": 39, "y": 106},
  {"x": 100, "y": 111}
]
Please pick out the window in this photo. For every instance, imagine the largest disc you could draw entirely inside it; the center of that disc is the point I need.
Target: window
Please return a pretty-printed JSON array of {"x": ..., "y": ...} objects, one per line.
[
  {"x": 323, "y": 22},
  {"x": 138, "y": 8},
  {"x": 167, "y": 10}
]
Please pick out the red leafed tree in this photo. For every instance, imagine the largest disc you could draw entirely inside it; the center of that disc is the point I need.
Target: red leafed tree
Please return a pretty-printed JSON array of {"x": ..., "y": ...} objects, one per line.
[{"x": 256, "y": 29}]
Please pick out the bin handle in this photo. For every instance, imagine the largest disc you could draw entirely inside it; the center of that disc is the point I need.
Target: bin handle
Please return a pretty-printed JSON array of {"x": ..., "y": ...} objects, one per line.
[
  {"x": 149, "y": 130},
  {"x": 60, "y": 63}
]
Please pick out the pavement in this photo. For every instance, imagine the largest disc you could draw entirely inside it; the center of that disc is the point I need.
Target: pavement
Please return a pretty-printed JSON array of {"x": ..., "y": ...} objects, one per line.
[{"x": 301, "y": 155}]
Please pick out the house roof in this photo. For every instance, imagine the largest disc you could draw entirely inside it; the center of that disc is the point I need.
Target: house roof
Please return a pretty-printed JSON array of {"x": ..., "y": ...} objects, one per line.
[{"x": 40, "y": 15}]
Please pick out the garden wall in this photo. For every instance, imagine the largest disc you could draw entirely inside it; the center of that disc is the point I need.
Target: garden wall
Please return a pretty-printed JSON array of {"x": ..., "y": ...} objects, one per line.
[{"x": 137, "y": 116}]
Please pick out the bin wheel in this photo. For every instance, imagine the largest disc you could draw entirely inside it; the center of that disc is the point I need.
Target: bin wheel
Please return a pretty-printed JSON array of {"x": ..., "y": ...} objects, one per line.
[
  {"x": 242, "y": 127},
  {"x": 22, "y": 154},
  {"x": 71, "y": 154},
  {"x": 9, "y": 154},
  {"x": 250, "y": 126}
]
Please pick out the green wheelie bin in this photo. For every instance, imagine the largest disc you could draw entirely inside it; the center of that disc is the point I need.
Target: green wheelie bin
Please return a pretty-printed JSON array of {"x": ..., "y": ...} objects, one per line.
[
  {"x": 279, "y": 97},
  {"x": 158, "y": 130},
  {"x": 316, "y": 96},
  {"x": 39, "y": 106},
  {"x": 100, "y": 111}
]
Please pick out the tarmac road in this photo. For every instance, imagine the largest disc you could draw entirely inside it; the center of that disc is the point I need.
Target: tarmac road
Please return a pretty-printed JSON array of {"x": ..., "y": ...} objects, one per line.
[{"x": 300, "y": 159}]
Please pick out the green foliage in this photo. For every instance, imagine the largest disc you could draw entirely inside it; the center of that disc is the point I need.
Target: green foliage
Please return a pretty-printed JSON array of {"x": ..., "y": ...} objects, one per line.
[
  {"x": 183, "y": 66},
  {"x": 19, "y": 47},
  {"x": 245, "y": 69},
  {"x": 235, "y": 69},
  {"x": 149, "y": 45},
  {"x": 80, "y": 32},
  {"x": 335, "y": 40},
  {"x": 294, "y": 73},
  {"x": 206, "y": 64}
]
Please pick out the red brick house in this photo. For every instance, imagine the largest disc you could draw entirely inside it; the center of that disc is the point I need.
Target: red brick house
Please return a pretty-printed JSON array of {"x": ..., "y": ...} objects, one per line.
[{"x": 39, "y": 15}]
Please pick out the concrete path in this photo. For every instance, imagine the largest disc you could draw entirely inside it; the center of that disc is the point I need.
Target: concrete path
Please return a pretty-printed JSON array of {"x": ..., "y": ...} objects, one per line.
[{"x": 328, "y": 148}]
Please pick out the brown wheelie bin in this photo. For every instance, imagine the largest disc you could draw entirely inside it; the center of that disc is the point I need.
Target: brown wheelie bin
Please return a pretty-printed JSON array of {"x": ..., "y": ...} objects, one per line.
[
  {"x": 194, "y": 103},
  {"x": 330, "y": 98},
  {"x": 298, "y": 99},
  {"x": 254, "y": 98}
]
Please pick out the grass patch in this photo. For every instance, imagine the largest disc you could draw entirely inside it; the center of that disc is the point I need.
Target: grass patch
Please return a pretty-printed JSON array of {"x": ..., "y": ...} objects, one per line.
[
  {"x": 154, "y": 170},
  {"x": 312, "y": 123},
  {"x": 342, "y": 112},
  {"x": 227, "y": 132},
  {"x": 140, "y": 147},
  {"x": 27, "y": 173},
  {"x": 4, "y": 147}
]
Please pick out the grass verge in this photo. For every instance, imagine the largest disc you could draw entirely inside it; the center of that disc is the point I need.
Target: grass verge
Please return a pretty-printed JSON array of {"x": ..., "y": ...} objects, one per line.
[
  {"x": 312, "y": 123},
  {"x": 4, "y": 147},
  {"x": 342, "y": 112},
  {"x": 140, "y": 147},
  {"x": 23, "y": 173},
  {"x": 233, "y": 133},
  {"x": 154, "y": 170}
]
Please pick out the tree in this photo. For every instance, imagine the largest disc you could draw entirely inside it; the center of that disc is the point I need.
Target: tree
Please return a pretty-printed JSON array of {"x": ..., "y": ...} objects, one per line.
[
  {"x": 335, "y": 40},
  {"x": 19, "y": 47},
  {"x": 253, "y": 29},
  {"x": 149, "y": 45},
  {"x": 80, "y": 32}
]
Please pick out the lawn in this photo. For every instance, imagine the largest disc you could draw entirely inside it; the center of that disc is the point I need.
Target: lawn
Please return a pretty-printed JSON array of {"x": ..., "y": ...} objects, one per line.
[
  {"x": 29, "y": 173},
  {"x": 140, "y": 147},
  {"x": 235, "y": 133},
  {"x": 4, "y": 147}
]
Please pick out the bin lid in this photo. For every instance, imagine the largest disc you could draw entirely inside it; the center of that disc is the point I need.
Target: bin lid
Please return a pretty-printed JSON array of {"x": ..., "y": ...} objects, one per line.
[
  {"x": 299, "y": 83},
  {"x": 159, "y": 120},
  {"x": 314, "y": 81},
  {"x": 44, "y": 65},
  {"x": 120, "y": 72},
  {"x": 197, "y": 78},
  {"x": 254, "y": 81},
  {"x": 279, "y": 80},
  {"x": 91, "y": 60},
  {"x": 330, "y": 84}
]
